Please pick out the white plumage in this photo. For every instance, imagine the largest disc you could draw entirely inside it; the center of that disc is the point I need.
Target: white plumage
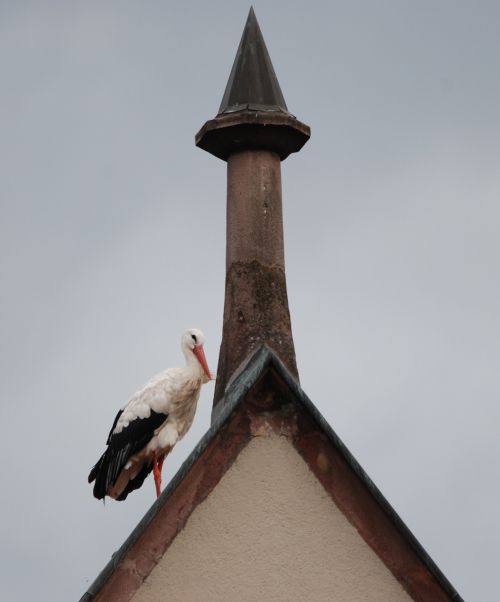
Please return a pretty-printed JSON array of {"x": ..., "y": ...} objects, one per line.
[{"x": 151, "y": 423}]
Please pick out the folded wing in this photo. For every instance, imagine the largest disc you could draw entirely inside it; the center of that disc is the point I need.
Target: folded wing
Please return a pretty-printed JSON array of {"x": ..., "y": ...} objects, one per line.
[{"x": 122, "y": 445}]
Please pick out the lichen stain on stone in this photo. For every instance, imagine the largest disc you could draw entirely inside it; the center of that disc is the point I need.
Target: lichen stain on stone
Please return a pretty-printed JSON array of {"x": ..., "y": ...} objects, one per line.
[
  {"x": 255, "y": 312},
  {"x": 130, "y": 567},
  {"x": 323, "y": 463},
  {"x": 260, "y": 427},
  {"x": 266, "y": 425}
]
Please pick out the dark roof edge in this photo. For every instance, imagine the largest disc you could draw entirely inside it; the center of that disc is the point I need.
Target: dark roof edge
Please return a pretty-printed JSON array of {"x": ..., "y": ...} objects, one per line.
[
  {"x": 356, "y": 467},
  {"x": 244, "y": 379}
]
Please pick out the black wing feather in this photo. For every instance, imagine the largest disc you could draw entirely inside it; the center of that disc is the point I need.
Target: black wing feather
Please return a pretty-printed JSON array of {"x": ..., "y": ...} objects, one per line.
[
  {"x": 121, "y": 446},
  {"x": 136, "y": 482},
  {"x": 115, "y": 422}
]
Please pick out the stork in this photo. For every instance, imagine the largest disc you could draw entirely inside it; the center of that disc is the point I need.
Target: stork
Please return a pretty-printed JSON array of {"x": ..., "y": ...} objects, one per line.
[{"x": 151, "y": 423}]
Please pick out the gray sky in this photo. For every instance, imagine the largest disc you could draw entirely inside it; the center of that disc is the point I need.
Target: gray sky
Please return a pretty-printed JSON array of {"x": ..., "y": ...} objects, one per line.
[{"x": 113, "y": 239}]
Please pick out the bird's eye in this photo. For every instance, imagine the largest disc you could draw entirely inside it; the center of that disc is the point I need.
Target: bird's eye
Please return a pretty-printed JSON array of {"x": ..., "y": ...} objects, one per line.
[{"x": 194, "y": 338}]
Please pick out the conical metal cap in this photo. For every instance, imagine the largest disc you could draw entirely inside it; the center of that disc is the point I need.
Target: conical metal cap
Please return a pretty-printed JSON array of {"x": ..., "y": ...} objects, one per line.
[
  {"x": 253, "y": 114},
  {"x": 252, "y": 84}
]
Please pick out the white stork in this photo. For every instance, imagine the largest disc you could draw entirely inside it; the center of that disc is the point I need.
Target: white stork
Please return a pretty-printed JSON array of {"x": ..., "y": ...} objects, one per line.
[{"x": 151, "y": 423}]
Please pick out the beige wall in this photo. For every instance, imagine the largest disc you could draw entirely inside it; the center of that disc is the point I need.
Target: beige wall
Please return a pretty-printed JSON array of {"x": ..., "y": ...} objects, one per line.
[{"x": 269, "y": 531}]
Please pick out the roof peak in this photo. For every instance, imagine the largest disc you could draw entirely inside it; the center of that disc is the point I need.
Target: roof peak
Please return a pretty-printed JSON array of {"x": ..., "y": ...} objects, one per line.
[
  {"x": 252, "y": 83},
  {"x": 296, "y": 418}
]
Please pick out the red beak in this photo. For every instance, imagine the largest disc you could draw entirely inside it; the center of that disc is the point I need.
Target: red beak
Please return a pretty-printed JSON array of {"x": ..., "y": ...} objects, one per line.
[{"x": 200, "y": 355}]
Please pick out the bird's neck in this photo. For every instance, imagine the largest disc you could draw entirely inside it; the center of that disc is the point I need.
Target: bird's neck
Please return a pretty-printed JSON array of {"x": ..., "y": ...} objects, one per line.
[{"x": 193, "y": 367}]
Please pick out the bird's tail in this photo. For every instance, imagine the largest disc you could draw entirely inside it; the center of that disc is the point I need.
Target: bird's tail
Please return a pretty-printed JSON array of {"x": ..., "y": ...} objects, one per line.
[
  {"x": 108, "y": 469},
  {"x": 93, "y": 473}
]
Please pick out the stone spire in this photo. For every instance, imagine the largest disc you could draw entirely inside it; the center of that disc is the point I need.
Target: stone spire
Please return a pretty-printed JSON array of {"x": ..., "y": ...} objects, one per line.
[{"x": 253, "y": 132}]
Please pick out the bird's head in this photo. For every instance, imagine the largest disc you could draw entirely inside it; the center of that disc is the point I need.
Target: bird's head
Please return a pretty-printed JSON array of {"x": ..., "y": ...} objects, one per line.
[{"x": 192, "y": 343}]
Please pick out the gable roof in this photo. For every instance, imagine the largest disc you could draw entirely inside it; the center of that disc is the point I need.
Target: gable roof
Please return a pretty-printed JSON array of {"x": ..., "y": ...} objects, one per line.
[{"x": 264, "y": 395}]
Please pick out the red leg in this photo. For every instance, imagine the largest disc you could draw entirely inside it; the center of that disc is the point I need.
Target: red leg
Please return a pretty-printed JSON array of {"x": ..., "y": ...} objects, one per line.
[
  {"x": 157, "y": 474},
  {"x": 160, "y": 463}
]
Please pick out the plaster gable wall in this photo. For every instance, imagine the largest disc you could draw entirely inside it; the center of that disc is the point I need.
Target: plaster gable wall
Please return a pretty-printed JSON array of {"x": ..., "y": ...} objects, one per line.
[{"x": 269, "y": 531}]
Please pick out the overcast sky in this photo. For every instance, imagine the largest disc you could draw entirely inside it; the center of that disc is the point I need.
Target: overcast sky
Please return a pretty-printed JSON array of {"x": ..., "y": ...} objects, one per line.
[{"x": 113, "y": 239}]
